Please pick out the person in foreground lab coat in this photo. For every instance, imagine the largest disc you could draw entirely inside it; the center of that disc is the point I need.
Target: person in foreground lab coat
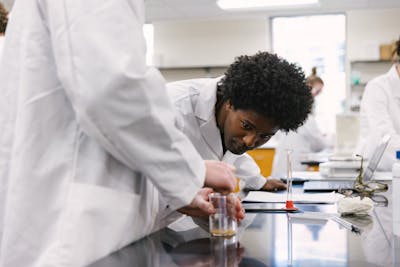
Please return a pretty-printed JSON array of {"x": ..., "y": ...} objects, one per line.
[
  {"x": 308, "y": 138},
  {"x": 225, "y": 117},
  {"x": 380, "y": 115},
  {"x": 90, "y": 160}
]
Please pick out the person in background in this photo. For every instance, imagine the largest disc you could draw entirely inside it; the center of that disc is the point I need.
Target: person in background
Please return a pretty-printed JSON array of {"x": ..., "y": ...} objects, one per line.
[
  {"x": 90, "y": 159},
  {"x": 3, "y": 25},
  {"x": 226, "y": 116},
  {"x": 379, "y": 114},
  {"x": 306, "y": 139},
  {"x": 315, "y": 82}
]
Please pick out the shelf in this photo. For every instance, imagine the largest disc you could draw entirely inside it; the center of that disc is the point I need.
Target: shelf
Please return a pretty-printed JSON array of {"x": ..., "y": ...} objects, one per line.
[
  {"x": 368, "y": 61},
  {"x": 175, "y": 73},
  {"x": 192, "y": 67},
  {"x": 361, "y": 72},
  {"x": 359, "y": 85}
]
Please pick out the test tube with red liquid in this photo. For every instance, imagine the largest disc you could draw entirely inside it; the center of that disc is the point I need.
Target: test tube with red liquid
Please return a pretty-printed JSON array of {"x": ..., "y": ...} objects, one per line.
[{"x": 289, "y": 199}]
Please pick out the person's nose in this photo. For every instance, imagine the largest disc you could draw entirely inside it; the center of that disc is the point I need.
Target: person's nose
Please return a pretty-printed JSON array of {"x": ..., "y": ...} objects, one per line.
[{"x": 250, "y": 140}]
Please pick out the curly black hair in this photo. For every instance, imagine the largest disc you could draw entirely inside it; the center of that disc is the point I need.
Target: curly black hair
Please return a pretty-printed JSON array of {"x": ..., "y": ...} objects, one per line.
[{"x": 270, "y": 86}]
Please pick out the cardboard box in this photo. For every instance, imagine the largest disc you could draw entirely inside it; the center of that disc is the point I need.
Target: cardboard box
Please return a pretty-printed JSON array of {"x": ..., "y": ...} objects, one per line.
[{"x": 385, "y": 51}]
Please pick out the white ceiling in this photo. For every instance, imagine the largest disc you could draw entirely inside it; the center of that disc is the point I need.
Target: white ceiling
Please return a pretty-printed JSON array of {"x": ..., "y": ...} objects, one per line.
[{"x": 157, "y": 10}]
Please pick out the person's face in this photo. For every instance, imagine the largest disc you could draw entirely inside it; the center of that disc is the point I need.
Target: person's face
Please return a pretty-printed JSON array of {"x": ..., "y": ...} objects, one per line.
[
  {"x": 316, "y": 89},
  {"x": 245, "y": 129}
]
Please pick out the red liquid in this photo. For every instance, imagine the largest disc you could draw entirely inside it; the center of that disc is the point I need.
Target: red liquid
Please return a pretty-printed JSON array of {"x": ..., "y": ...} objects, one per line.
[{"x": 290, "y": 205}]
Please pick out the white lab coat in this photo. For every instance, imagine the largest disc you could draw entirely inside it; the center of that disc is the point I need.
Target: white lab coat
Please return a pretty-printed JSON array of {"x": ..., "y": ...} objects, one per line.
[
  {"x": 307, "y": 139},
  {"x": 194, "y": 102},
  {"x": 380, "y": 115},
  {"x": 90, "y": 159}
]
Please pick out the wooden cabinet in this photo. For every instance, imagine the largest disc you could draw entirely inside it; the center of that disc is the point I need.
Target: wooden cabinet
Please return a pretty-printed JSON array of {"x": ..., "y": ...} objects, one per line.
[{"x": 264, "y": 158}]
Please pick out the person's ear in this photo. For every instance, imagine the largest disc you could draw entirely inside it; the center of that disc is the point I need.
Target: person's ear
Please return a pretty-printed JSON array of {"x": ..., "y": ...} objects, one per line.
[{"x": 228, "y": 105}]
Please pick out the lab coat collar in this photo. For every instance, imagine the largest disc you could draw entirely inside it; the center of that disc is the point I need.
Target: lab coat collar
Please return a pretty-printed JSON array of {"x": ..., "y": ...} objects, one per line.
[
  {"x": 205, "y": 111},
  {"x": 207, "y": 99},
  {"x": 394, "y": 81}
]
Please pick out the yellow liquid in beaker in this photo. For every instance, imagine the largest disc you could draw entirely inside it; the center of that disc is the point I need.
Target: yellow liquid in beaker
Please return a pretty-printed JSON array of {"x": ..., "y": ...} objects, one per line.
[{"x": 221, "y": 232}]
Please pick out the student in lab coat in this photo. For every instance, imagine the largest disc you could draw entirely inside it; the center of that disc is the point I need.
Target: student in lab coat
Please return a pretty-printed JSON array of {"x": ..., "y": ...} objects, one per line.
[
  {"x": 308, "y": 138},
  {"x": 227, "y": 116},
  {"x": 379, "y": 114},
  {"x": 90, "y": 160}
]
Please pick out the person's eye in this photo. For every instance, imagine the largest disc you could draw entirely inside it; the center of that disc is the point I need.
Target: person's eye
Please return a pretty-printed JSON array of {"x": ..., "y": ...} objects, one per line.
[
  {"x": 265, "y": 136},
  {"x": 246, "y": 126}
]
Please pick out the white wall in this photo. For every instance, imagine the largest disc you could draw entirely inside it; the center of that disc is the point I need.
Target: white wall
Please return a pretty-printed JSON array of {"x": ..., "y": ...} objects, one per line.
[
  {"x": 367, "y": 29},
  {"x": 217, "y": 42},
  {"x": 208, "y": 43}
]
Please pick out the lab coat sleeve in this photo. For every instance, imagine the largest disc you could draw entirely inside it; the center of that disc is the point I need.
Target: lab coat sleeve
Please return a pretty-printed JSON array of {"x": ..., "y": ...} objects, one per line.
[
  {"x": 99, "y": 50},
  {"x": 247, "y": 171},
  {"x": 374, "y": 104}
]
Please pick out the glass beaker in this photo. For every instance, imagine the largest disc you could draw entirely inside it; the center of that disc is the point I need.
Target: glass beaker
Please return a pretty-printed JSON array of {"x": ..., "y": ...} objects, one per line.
[{"x": 223, "y": 222}]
